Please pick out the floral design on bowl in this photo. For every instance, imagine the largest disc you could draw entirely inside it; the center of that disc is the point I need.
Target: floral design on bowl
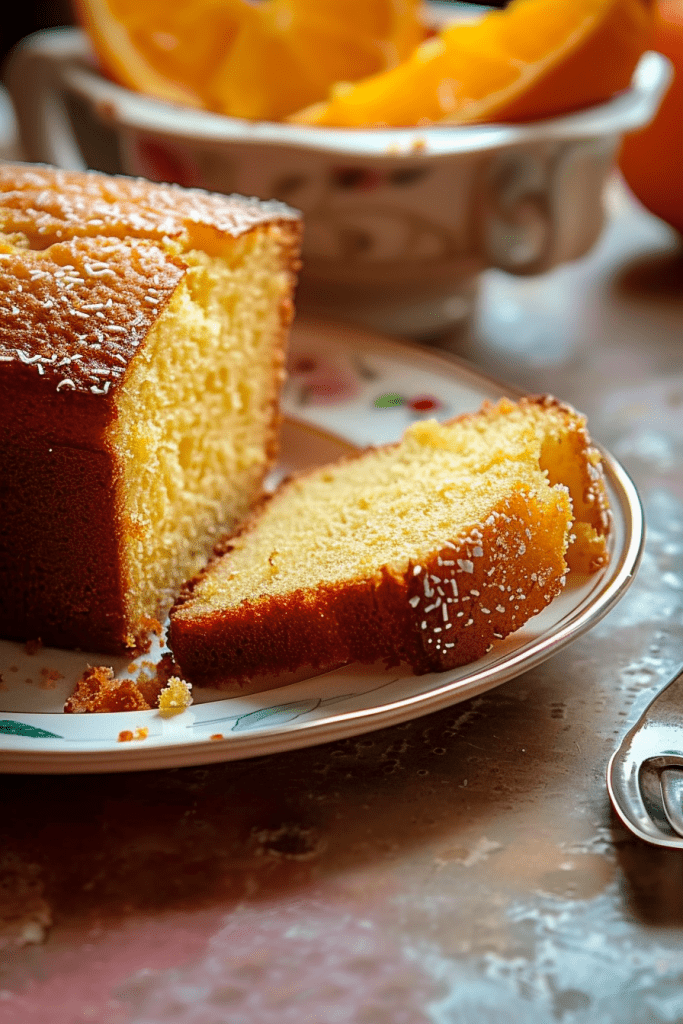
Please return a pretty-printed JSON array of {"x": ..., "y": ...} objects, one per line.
[{"x": 399, "y": 219}]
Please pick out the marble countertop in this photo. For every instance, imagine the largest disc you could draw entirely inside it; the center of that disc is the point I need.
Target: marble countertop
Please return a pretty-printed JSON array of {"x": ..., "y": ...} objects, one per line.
[{"x": 462, "y": 867}]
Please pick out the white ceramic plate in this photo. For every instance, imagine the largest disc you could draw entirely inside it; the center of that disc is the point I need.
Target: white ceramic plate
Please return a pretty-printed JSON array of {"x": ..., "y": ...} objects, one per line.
[{"x": 345, "y": 387}]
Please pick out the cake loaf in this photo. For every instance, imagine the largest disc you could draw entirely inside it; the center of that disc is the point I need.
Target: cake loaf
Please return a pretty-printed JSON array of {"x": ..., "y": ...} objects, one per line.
[
  {"x": 424, "y": 552},
  {"x": 142, "y": 341}
]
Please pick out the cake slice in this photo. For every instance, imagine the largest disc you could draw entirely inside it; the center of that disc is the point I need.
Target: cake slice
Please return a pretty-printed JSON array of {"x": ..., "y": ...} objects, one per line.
[
  {"x": 423, "y": 552},
  {"x": 142, "y": 342}
]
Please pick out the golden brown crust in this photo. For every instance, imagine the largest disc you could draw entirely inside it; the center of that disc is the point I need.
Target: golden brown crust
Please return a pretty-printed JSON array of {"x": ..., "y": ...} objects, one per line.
[
  {"x": 74, "y": 315},
  {"x": 437, "y": 615},
  {"x": 59, "y": 554},
  {"x": 48, "y": 205},
  {"x": 87, "y": 266}
]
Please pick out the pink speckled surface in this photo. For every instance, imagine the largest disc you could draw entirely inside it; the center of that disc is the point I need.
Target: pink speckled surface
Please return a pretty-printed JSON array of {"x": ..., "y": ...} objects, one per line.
[{"x": 462, "y": 867}]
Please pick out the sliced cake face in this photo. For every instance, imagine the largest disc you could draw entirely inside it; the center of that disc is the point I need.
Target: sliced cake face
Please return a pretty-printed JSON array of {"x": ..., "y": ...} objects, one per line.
[
  {"x": 196, "y": 425},
  {"x": 142, "y": 335},
  {"x": 569, "y": 457},
  {"x": 391, "y": 508},
  {"x": 425, "y": 552}
]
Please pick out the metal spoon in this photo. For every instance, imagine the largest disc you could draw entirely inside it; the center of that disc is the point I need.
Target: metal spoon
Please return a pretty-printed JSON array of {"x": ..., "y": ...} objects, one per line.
[{"x": 645, "y": 773}]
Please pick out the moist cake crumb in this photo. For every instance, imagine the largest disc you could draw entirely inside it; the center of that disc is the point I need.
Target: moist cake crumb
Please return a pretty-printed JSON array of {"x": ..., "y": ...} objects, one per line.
[
  {"x": 49, "y": 678},
  {"x": 152, "y": 626},
  {"x": 141, "y": 733},
  {"x": 175, "y": 697},
  {"x": 98, "y": 690}
]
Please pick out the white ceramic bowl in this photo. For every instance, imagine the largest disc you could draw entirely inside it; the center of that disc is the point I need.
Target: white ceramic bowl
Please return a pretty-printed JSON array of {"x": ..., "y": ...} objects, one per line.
[{"x": 399, "y": 222}]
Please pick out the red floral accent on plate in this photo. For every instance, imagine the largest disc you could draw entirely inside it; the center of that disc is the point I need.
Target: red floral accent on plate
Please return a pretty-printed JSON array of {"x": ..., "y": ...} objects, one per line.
[
  {"x": 425, "y": 403},
  {"x": 322, "y": 382}
]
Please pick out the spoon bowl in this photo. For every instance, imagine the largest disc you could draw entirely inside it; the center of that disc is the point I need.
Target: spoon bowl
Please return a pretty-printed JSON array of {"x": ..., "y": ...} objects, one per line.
[{"x": 645, "y": 773}]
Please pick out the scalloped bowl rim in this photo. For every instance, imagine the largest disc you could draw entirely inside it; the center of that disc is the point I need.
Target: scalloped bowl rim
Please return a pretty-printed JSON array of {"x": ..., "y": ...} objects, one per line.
[{"x": 624, "y": 112}]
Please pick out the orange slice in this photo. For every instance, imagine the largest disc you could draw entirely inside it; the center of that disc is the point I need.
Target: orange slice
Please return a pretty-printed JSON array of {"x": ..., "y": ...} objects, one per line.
[
  {"x": 537, "y": 58},
  {"x": 158, "y": 47},
  {"x": 257, "y": 60}
]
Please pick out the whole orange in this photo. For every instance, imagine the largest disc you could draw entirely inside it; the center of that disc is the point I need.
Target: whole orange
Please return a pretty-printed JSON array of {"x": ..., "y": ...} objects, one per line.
[{"x": 652, "y": 159}]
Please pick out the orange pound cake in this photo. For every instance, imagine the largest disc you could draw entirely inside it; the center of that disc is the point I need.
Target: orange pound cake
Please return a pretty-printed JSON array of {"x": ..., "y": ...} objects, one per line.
[
  {"x": 142, "y": 338},
  {"x": 423, "y": 552}
]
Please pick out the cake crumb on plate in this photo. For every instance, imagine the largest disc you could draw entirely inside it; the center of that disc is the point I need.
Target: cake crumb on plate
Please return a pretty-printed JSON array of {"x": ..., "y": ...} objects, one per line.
[
  {"x": 175, "y": 697},
  {"x": 126, "y": 735},
  {"x": 99, "y": 691}
]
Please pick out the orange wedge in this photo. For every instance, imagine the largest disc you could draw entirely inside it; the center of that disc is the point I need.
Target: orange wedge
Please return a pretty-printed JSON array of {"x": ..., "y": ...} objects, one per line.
[
  {"x": 257, "y": 60},
  {"x": 537, "y": 58}
]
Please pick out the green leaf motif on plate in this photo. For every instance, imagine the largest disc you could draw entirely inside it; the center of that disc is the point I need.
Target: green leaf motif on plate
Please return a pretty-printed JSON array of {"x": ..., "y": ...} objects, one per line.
[
  {"x": 278, "y": 715},
  {"x": 391, "y": 400},
  {"x": 11, "y": 728}
]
